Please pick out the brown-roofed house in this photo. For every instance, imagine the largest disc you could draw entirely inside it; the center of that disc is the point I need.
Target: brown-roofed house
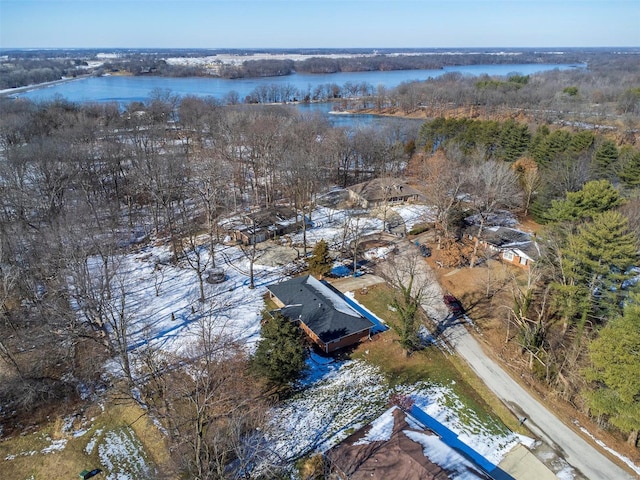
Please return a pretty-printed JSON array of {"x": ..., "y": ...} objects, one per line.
[
  {"x": 382, "y": 191},
  {"x": 396, "y": 445}
]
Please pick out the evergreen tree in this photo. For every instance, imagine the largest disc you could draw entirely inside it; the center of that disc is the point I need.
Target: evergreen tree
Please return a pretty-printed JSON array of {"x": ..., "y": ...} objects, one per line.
[
  {"x": 319, "y": 262},
  {"x": 630, "y": 172},
  {"x": 604, "y": 160},
  {"x": 615, "y": 371},
  {"x": 281, "y": 353},
  {"x": 595, "y": 197},
  {"x": 593, "y": 266},
  {"x": 514, "y": 140},
  {"x": 581, "y": 142},
  {"x": 546, "y": 150}
]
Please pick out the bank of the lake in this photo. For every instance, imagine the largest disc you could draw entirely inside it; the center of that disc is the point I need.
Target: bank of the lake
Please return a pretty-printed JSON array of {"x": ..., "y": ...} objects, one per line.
[{"x": 126, "y": 89}]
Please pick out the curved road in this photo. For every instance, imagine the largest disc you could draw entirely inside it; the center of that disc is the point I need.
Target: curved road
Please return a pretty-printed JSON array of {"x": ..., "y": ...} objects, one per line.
[{"x": 581, "y": 455}]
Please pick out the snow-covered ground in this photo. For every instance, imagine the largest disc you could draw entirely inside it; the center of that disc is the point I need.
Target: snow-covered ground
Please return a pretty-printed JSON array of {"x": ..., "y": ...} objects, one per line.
[
  {"x": 344, "y": 396},
  {"x": 336, "y": 397}
]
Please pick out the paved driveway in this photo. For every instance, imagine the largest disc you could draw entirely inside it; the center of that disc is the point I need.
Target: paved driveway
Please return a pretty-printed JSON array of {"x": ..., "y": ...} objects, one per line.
[{"x": 351, "y": 284}]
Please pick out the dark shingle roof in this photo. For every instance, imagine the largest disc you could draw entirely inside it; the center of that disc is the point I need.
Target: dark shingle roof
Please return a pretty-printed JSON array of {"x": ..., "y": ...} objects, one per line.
[
  {"x": 500, "y": 236},
  {"x": 384, "y": 188},
  {"x": 505, "y": 238},
  {"x": 321, "y": 308}
]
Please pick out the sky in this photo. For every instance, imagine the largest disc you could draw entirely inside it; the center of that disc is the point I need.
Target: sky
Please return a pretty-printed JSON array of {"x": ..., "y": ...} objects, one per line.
[{"x": 318, "y": 23}]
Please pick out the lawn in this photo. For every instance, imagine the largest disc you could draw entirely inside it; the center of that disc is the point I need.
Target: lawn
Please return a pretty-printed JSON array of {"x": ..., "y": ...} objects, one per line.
[
  {"x": 430, "y": 364},
  {"x": 115, "y": 437}
]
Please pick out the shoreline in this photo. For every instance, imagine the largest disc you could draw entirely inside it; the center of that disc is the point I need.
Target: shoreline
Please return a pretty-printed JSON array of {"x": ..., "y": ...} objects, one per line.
[{"x": 38, "y": 86}]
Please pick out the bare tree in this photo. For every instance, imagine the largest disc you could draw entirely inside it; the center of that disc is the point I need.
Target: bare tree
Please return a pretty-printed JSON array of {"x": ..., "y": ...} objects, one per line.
[
  {"x": 443, "y": 180},
  {"x": 530, "y": 180},
  {"x": 217, "y": 411},
  {"x": 412, "y": 281},
  {"x": 197, "y": 257},
  {"x": 493, "y": 186}
]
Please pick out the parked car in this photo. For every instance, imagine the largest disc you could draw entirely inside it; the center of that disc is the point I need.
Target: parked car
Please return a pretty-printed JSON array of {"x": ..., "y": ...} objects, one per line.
[
  {"x": 453, "y": 304},
  {"x": 424, "y": 250},
  {"x": 85, "y": 474}
]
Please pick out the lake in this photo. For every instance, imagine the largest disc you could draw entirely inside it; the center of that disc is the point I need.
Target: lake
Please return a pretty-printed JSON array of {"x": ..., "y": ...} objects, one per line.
[{"x": 125, "y": 89}]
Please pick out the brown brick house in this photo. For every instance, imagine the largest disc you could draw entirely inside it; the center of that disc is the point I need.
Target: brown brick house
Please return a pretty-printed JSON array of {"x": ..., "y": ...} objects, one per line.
[{"x": 322, "y": 312}]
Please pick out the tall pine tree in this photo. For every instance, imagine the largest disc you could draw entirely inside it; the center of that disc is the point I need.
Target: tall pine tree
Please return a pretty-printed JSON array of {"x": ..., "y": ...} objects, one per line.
[
  {"x": 281, "y": 353},
  {"x": 319, "y": 262},
  {"x": 615, "y": 372},
  {"x": 593, "y": 265}
]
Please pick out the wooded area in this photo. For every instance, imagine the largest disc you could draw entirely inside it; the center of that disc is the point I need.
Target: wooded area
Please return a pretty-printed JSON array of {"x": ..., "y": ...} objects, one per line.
[{"x": 81, "y": 184}]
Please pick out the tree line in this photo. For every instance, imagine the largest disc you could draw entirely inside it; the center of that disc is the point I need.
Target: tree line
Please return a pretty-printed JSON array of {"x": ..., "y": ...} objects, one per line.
[{"x": 583, "y": 187}]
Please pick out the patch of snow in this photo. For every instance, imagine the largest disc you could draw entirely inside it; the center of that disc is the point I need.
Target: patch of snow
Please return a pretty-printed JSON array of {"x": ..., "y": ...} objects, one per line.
[
  {"x": 414, "y": 214},
  {"x": 380, "y": 430},
  {"x": 320, "y": 416},
  {"x": 567, "y": 473},
  {"x": 526, "y": 441},
  {"x": 162, "y": 299},
  {"x": 121, "y": 455},
  {"x": 378, "y": 253},
  {"x": 345, "y": 398},
  {"x": 490, "y": 438},
  {"x": 502, "y": 218},
  {"x": 626, "y": 460},
  {"x": 319, "y": 367},
  {"x": 441, "y": 454},
  {"x": 92, "y": 443},
  {"x": 336, "y": 300},
  {"x": 56, "y": 446}
]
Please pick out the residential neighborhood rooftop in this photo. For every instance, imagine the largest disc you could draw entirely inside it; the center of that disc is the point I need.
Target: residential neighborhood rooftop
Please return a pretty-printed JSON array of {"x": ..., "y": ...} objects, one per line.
[{"x": 322, "y": 308}]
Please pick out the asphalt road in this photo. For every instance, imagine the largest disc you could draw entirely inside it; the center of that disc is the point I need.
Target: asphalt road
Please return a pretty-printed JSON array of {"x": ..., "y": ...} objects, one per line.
[{"x": 588, "y": 460}]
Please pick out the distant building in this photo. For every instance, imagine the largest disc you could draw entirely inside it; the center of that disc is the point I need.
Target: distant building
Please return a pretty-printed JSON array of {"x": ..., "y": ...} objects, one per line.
[
  {"x": 382, "y": 191},
  {"x": 260, "y": 225},
  {"x": 512, "y": 246},
  {"x": 322, "y": 312}
]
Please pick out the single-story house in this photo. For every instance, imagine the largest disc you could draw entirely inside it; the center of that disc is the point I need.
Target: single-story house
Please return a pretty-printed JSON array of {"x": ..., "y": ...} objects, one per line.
[
  {"x": 260, "y": 225},
  {"x": 322, "y": 312},
  {"x": 397, "y": 445},
  {"x": 382, "y": 191},
  {"x": 513, "y": 246}
]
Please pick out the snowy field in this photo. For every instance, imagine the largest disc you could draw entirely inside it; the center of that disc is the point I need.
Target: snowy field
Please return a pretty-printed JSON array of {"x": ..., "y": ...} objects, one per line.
[{"x": 162, "y": 298}]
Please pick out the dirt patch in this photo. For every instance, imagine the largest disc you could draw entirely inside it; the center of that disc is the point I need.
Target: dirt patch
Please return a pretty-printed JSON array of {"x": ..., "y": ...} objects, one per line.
[{"x": 274, "y": 255}]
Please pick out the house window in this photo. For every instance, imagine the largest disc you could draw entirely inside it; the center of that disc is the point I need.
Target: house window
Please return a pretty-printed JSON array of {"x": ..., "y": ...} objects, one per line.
[
  {"x": 523, "y": 261},
  {"x": 508, "y": 256}
]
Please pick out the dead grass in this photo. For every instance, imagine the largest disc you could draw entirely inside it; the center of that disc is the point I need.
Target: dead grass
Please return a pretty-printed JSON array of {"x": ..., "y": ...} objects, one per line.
[
  {"x": 429, "y": 364},
  {"x": 23, "y": 457},
  {"x": 486, "y": 294}
]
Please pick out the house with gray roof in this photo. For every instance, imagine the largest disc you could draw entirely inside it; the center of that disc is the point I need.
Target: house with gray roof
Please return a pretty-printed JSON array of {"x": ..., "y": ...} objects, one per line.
[
  {"x": 513, "y": 246},
  {"x": 382, "y": 191},
  {"x": 261, "y": 224},
  {"x": 322, "y": 312}
]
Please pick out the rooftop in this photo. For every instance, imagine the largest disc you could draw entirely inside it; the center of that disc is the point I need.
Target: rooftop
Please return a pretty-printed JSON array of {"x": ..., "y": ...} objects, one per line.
[{"x": 321, "y": 307}]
